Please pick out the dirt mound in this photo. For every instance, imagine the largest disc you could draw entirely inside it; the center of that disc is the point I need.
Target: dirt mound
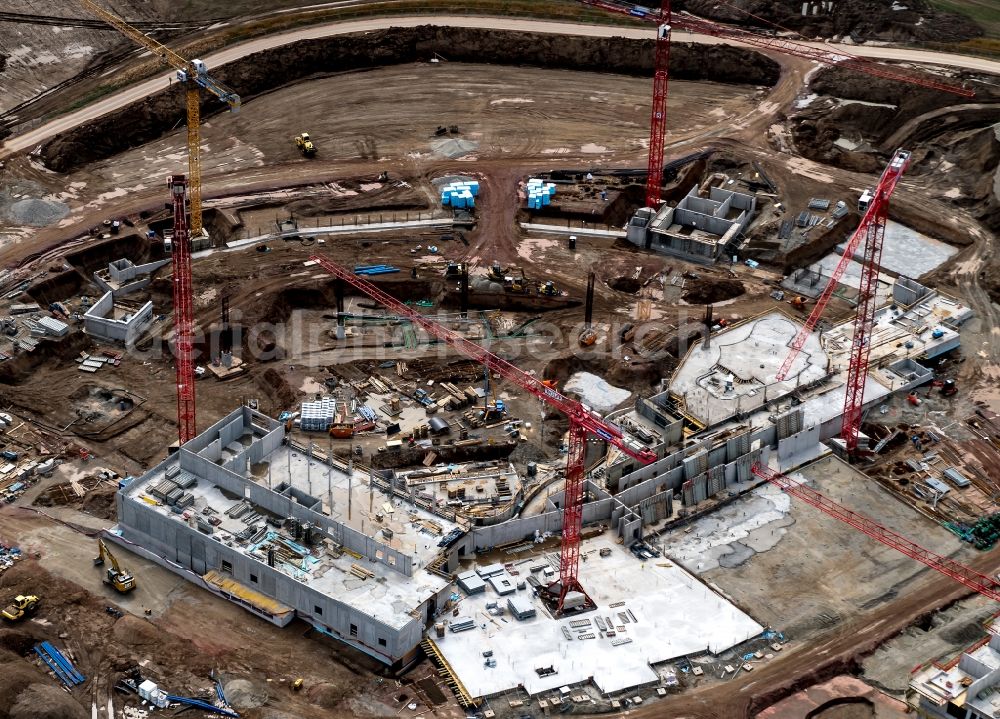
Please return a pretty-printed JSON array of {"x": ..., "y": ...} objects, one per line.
[
  {"x": 327, "y": 695},
  {"x": 242, "y": 694},
  {"x": 135, "y": 632},
  {"x": 952, "y": 138},
  {"x": 44, "y": 701},
  {"x": 100, "y": 502},
  {"x": 625, "y": 284},
  {"x": 14, "y": 677},
  {"x": 708, "y": 291},
  {"x": 37, "y": 213},
  {"x": 264, "y": 71},
  {"x": 17, "y": 641}
]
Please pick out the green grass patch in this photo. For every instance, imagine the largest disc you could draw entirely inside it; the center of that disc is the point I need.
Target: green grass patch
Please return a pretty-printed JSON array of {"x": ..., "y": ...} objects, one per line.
[
  {"x": 985, "y": 13},
  {"x": 92, "y": 96}
]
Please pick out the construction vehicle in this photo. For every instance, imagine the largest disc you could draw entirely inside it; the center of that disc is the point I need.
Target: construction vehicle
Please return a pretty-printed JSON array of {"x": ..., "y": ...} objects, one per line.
[
  {"x": 588, "y": 337},
  {"x": 949, "y": 388},
  {"x": 495, "y": 409},
  {"x": 121, "y": 579},
  {"x": 548, "y": 289},
  {"x": 305, "y": 145},
  {"x": 496, "y": 273},
  {"x": 798, "y": 303},
  {"x": 23, "y": 605}
]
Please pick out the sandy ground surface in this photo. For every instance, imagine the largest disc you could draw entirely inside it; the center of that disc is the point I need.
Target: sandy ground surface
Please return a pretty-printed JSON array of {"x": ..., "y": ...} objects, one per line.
[{"x": 106, "y": 104}]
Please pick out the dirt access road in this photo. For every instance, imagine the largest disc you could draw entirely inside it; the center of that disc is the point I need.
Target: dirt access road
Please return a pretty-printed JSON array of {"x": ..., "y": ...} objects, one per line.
[{"x": 160, "y": 82}]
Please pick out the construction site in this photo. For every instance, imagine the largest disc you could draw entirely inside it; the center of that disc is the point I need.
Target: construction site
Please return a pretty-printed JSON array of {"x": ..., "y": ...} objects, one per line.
[{"x": 389, "y": 358}]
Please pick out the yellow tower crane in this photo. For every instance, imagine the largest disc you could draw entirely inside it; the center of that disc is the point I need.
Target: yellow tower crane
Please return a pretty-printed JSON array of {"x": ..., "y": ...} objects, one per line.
[{"x": 192, "y": 74}]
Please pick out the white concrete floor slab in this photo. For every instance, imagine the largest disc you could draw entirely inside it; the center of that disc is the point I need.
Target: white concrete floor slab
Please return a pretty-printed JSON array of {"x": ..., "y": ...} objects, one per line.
[
  {"x": 907, "y": 252},
  {"x": 675, "y": 615},
  {"x": 753, "y": 352}
]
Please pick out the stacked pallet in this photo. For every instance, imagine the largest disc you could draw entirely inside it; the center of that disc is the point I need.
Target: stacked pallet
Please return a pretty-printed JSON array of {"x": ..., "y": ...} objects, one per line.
[
  {"x": 361, "y": 573},
  {"x": 461, "y": 624}
]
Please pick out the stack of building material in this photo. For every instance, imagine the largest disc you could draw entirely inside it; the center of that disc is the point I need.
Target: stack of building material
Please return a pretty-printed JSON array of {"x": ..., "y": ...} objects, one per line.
[
  {"x": 503, "y": 584},
  {"x": 61, "y": 666},
  {"x": 375, "y": 269},
  {"x": 361, "y": 573},
  {"x": 471, "y": 583},
  {"x": 161, "y": 490},
  {"x": 539, "y": 193},
  {"x": 490, "y": 570},
  {"x": 461, "y": 624},
  {"x": 318, "y": 416},
  {"x": 460, "y": 194},
  {"x": 521, "y": 607}
]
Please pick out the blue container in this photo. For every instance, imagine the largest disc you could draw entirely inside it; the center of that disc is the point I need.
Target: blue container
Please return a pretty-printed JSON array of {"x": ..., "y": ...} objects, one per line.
[
  {"x": 473, "y": 187},
  {"x": 546, "y": 198}
]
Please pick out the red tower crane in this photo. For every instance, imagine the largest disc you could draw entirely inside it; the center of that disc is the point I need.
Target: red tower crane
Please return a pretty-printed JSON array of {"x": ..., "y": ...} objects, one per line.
[
  {"x": 666, "y": 22},
  {"x": 183, "y": 312},
  {"x": 974, "y": 580},
  {"x": 582, "y": 422},
  {"x": 872, "y": 229}
]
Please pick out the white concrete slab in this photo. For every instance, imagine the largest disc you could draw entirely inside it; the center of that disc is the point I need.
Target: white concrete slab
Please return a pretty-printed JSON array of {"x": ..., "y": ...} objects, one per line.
[
  {"x": 596, "y": 392},
  {"x": 907, "y": 252},
  {"x": 749, "y": 356},
  {"x": 675, "y": 615}
]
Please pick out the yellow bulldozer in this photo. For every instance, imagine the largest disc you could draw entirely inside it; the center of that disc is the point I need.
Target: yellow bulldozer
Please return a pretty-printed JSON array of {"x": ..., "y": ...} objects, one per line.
[
  {"x": 22, "y": 606},
  {"x": 305, "y": 145},
  {"x": 121, "y": 579}
]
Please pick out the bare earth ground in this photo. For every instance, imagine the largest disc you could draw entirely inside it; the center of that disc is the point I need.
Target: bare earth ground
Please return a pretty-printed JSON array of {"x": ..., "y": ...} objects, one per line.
[{"x": 832, "y": 591}]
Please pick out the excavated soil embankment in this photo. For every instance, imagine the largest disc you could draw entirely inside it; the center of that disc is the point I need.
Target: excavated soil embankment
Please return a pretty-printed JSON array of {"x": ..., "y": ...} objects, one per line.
[
  {"x": 265, "y": 71},
  {"x": 866, "y": 19},
  {"x": 953, "y": 138}
]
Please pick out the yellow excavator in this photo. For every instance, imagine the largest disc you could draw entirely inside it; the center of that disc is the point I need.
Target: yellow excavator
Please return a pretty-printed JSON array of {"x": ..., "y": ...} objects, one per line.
[
  {"x": 121, "y": 579},
  {"x": 22, "y": 606}
]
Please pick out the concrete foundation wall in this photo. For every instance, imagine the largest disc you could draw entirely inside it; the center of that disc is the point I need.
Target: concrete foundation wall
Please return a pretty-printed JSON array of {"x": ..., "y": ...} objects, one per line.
[
  {"x": 178, "y": 543},
  {"x": 98, "y": 325},
  {"x": 689, "y": 249}
]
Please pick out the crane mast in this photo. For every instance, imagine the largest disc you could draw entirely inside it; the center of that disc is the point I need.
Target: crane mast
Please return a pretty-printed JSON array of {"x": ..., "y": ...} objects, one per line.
[
  {"x": 582, "y": 423},
  {"x": 193, "y": 75},
  {"x": 666, "y": 22},
  {"x": 183, "y": 312},
  {"x": 872, "y": 230},
  {"x": 864, "y": 319}
]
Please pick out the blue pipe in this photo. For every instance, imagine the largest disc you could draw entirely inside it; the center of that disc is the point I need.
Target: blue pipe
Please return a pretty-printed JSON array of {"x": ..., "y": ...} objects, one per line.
[
  {"x": 56, "y": 669},
  {"x": 65, "y": 663},
  {"x": 190, "y": 701}
]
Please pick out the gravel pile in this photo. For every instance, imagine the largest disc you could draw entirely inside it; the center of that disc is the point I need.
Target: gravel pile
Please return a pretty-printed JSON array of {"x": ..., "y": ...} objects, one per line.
[
  {"x": 453, "y": 148},
  {"x": 37, "y": 213}
]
